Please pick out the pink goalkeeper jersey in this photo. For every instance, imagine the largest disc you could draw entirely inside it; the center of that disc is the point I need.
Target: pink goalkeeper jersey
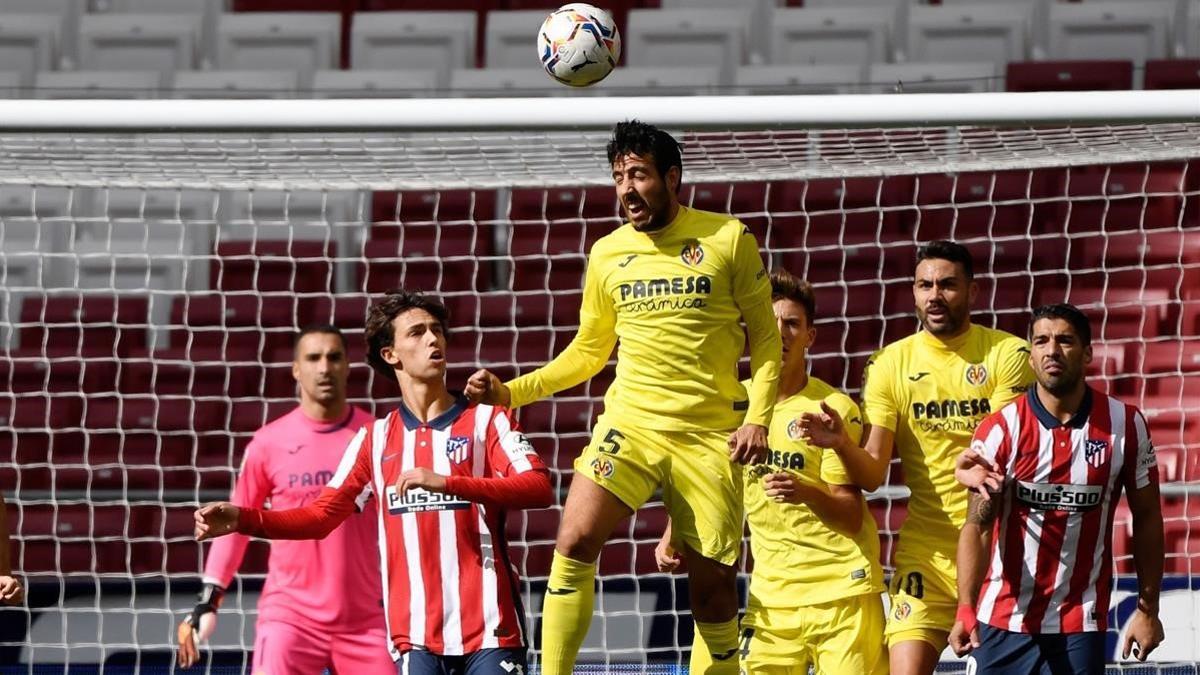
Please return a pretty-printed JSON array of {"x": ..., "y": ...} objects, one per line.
[{"x": 333, "y": 583}]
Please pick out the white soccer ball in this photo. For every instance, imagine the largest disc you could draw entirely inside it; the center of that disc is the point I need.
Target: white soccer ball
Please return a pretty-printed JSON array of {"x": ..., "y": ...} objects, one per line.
[{"x": 578, "y": 44}]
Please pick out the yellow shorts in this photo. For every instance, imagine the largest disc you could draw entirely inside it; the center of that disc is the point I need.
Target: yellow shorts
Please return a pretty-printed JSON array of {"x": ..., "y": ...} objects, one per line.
[
  {"x": 924, "y": 598},
  {"x": 701, "y": 487},
  {"x": 835, "y": 638}
]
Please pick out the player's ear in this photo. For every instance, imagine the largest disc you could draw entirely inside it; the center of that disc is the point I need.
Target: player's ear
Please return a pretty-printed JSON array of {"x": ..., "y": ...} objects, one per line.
[
  {"x": 812, "y": 337},
  {"x": 972, "y": 291},
  {"x": 673, "y": 176},
  {"x": 296, "y": 370},
  {"x": 390, "y": 357},
  {"x": 1087, "y": 355}
]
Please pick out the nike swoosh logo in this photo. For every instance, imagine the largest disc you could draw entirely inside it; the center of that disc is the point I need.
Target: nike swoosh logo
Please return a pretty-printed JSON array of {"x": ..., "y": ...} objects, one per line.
[
  {"x": 391, "y": 456},
  {"x": 917, "y": 377},
  {"x": 627, "y": 260},
  {"x": 560, "y": 591}
]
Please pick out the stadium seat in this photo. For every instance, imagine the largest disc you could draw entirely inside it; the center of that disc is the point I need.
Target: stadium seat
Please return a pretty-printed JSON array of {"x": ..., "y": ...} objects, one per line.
[
  {"x": 1172, "y": 74},
  {"x": 1181, "y": 543},
  {"x": 974, "y": 205},
  {"x": 555, "y": 204},
  {"x": 481, "y": 82},
  {"x": 244, "y": 327},
  {"x": 508, "y": 39},
  {"x": 122, "y": 42},
  {"x": 821, "y": 78},
  {"x": 81, "y": 324},
  {"x": 296, "y": 266},
  {"x": 985, "y": 32},
  {"x": 441, "y": 206},
  {"x": 440, "y": 41},
  {"x": 1069, "y": 76},
  {"x": 932, "y": 78},
  {"x": 1121, "y": 198},
  {"x": 374, "y": 83},
  {"x": 688, "y": 38},
  {"x": 834, "y": 205},
  {"x": 1100, "y": 29},
  {"x": 1117, "y": 313},
  {"x": 294, "y": 41},
  {"x": 71, "y": 539},
  {"x": 134, "y": 84},
  {"x": 12, "y": 84},
  {"x": 658, "y": 81},
  {"x": 1172, "y": 368},
  {"x": 29, "y": 43},
  {"x": 236, "y": 84},
  {"x": 66, "y": 13},
  {"x": 855, "y": 35}
]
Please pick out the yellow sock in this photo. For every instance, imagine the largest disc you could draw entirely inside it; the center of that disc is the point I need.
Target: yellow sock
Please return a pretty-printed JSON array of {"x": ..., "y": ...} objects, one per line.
[
  {"x": 714, "y": 649},
  {"x": 566, "y": 613}
]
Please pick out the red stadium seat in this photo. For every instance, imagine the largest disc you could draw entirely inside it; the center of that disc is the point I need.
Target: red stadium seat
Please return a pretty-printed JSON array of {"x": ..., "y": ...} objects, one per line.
[
  {"x": 1172, "y": 368},
  {"x": 1069, "y": 75},
  {"x": 801, "y": 209},
  {"x": 264, "y": 265},
  {"x": 422, "y": 206},
  {"x": 67, "y": 538},
  {"x": 1121, "y": 198},
  {"x": 556, "y": 204},
  {"x": 387, "y": 269},
  {"x": 30, "y": 373},
  {"x": 83, "y": 324},
  {"x": 1117, "y": 313},
  {"x": 1182, "y": 543},
  {"x": 240, "y": 327},
  {"x": 33, "y": 411},
  {"x": 1172, "y": 74},
  {"x": 976, "y": 205}
]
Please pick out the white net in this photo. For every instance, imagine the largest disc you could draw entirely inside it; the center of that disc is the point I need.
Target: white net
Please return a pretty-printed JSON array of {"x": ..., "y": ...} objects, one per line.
[{"x": 151, "y": 285}]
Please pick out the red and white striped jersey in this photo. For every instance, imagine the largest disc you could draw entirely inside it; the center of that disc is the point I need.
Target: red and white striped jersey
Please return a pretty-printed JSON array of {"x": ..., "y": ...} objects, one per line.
[
  {"x": 1050, "y": 567},
  {"x": 449, "y": 586}
]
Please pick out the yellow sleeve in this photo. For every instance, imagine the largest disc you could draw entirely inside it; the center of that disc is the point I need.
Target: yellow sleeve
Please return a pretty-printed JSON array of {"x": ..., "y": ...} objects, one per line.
[
  {"x": 752, "y": 293},
  {"x": 879, "y": 406},
  {"x": 588, "y": 351},
  {"x": 1013, "y": 373},
  {"x": 833, "y": 470}
]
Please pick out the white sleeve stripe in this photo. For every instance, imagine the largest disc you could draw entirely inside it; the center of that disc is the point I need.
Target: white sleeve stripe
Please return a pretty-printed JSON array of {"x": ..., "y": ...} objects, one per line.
[
  {"x": 349, "y": 457},
  {"x": 514, "y": 444}
]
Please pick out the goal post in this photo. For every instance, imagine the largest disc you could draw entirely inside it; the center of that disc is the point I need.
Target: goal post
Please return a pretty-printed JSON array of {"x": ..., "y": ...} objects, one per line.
[{"x": 157, "y": 256}]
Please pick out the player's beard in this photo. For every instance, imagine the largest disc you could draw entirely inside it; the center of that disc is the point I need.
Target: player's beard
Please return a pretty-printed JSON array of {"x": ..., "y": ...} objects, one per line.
[
  {"x": 956, "y": 318},
  {"x": 1063, "y": 383},
  {"x": 658, "y": 206}
]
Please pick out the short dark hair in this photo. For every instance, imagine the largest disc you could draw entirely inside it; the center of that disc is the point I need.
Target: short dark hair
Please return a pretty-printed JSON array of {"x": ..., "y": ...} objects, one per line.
[
  {"x": 639, "y": 138},
  {"x": 378, "y": 330},
  {"x": 787, "y": 286},
  {"x": 1068, "y": 313},
  {"x": 942, "y": 249},
  {"x": 319, "y": 329}
]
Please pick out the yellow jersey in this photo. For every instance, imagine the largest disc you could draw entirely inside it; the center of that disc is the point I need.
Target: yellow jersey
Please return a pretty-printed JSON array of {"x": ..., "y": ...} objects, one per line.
[
  {"x": 798, "y": 559},
  {"x": 932, "y": 395},
  {"x": 674, "y": 300}
]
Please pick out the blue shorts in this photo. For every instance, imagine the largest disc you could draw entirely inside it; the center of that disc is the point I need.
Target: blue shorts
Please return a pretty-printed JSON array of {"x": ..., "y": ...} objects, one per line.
[
  {"x": 482, "y": 662},
  {"x": 1003, "y": 652}
]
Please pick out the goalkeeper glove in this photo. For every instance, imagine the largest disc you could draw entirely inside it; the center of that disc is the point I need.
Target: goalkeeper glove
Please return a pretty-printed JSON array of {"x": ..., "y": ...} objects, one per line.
[{"x": 199, "y": 624}]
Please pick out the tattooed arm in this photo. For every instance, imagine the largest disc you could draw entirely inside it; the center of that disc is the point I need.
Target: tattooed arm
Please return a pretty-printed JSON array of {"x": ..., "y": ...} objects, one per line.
[{"x": 974, "y": 543}]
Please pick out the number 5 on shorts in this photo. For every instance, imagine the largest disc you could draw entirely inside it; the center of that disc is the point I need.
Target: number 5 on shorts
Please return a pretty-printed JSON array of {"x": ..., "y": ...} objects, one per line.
[{"x": 611, "y": 444}]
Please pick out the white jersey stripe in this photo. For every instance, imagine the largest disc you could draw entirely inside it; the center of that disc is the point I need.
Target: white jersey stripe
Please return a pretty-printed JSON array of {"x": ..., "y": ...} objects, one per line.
[
  {"x": 452, "y": 638},
  {"x": 1033, "y": 533},
  {"x": 379, "y": 431},
  {"x": 987, "y": 603},
  {"x": 483, "y": 413},
  {"x": 346, "y": 464},
  {"x": 1116, "y": 411},
  {"x": 514, "y": 444},
  {"x": 413, "y": 550},
  {"x": 1052, "y": 619},
  {"x": 491, "y": 608}
]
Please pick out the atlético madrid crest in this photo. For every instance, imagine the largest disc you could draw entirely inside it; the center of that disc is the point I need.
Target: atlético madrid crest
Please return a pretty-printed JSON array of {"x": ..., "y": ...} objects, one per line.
[
  {"x": 458, "y": 448},
  {"x": 1095, "y": 452},
  {"x": 691, "y": 253}
]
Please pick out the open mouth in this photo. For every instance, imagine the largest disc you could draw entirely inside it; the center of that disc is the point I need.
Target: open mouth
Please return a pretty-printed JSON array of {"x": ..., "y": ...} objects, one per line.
[
  {"x": 635, "y": 209},
  {"x": 436, "y": 356},
  {"x": 936, "y": 312}
]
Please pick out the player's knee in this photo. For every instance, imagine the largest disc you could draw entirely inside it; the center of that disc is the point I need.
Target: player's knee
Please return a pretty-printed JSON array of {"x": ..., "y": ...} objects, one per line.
[
  {"x": 714, "y": 595},
  {"x": 578, "y": 545}
]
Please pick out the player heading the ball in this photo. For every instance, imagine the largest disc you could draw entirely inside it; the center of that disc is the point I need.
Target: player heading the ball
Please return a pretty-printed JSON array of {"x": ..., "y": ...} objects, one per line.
[
  {"x": 444, "y": 471},
  {"x": 671, "y": 286}
]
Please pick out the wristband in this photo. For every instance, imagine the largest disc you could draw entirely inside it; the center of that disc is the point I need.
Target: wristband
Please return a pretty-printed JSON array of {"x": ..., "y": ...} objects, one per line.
[
  {"x": 210, "y": 600},
  {"x": 966, "y": 616}
]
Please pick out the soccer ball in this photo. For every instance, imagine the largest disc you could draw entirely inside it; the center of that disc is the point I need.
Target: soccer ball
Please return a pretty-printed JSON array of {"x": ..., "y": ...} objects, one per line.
[{"x": 579, "y": 44}]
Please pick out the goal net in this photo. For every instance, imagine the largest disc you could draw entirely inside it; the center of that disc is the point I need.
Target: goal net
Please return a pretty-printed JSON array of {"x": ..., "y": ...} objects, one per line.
[{"x": 152, "y": 282}]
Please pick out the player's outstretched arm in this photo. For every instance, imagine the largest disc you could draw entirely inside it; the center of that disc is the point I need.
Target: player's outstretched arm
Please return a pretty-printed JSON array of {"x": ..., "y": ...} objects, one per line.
[
  {"x": 1144, "y": 632},
  {"x": 974, "y": 542},
  {"x": 11, "y": 590},
  {"x": 867, "y": 463},
  {"x": 525, "y": 490}
]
